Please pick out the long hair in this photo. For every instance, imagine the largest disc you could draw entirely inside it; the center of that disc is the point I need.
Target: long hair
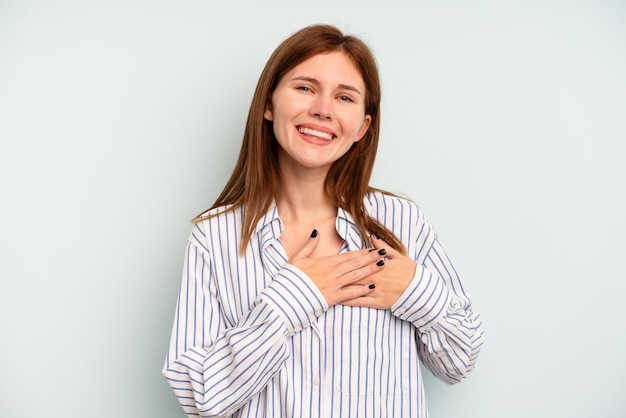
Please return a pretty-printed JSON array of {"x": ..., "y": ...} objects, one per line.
[{"x": 255, "y": 181}]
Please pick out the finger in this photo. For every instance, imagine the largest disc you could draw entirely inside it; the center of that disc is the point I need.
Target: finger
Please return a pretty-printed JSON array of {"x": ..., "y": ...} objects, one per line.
[
  {"x": 355, "y": 293},
  {"x": 350, "y": 259},
  {"x": 351, "y": 273},
  {"x": 362, "y": 301},
  {"x": 370, "y": 300},
  {"x": 380, "y": 243},
  {"x": 309, "y": 246}
]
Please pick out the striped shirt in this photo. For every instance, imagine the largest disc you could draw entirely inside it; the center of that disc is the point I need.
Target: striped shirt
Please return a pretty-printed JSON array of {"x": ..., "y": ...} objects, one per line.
[{"x": 254, "y": 337}]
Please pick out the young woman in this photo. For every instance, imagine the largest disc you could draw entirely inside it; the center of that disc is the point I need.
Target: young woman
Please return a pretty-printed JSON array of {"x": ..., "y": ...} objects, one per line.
[{"x": 306, "y": 292}]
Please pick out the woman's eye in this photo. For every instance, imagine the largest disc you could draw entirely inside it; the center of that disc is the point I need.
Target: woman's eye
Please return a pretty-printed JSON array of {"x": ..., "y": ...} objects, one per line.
[
  {"x": 345, "y": 99},
  {"x": 303, "y": 88}
]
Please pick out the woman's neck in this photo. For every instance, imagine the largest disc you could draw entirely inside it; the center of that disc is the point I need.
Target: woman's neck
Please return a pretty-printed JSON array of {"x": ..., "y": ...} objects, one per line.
[
  {"x": 303, "y": 200},
  {"x": 304, "y": 206}
]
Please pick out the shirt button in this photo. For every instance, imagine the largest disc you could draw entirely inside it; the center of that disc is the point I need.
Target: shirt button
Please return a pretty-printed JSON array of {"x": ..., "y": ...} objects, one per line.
[
  {"x": 297, "y": 328},
  {"x": 401, "y": 311},
  {"x": 316, "y": 381},
  {"x": 318, "y": 313},
  {"x": 420, "y": 322}
]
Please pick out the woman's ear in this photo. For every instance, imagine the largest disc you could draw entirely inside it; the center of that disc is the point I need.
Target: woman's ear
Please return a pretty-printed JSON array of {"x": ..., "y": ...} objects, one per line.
[
  {"x": 268, "y": 114},
  {"x": 366, "y": 124}
]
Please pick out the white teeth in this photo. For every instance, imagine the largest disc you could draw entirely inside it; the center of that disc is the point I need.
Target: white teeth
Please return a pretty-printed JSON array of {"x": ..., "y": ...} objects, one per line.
[{"x": 322, "y": 135}]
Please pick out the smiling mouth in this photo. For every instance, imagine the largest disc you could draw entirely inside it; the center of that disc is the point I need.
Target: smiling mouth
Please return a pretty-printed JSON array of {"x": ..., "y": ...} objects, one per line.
[{"x": 315, "y": 133}]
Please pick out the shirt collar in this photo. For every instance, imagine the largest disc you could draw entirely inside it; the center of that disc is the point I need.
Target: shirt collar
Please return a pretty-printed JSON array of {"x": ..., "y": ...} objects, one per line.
[
  {"x": 270, "y": 226},
  {"x": 347, "y": 229}
]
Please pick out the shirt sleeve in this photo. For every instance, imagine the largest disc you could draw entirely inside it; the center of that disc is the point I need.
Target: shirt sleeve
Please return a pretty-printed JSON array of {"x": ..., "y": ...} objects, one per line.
[
  {"x": 214, "y": 368},
  {"x": 450, "y": 335}
]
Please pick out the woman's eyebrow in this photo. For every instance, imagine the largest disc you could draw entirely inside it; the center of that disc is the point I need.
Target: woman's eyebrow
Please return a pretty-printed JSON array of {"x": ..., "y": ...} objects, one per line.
[{"x": 317, "y": 83}]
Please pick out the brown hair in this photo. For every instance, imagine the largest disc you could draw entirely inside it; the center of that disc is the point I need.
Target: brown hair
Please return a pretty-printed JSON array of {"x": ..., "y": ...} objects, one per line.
[{"x": 255, "y": 181}]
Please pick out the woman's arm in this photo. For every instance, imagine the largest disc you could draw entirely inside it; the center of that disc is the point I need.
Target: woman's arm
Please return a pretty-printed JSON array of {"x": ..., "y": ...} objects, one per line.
[
  {"x": 450, "y": 334},
  {"x": 214, "y": 369}
]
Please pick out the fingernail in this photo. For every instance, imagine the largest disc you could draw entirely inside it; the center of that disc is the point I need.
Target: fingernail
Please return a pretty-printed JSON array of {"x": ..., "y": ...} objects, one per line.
[
  {"x": 314, "y": 233},
  {"x": 380, "y": 263},
  {"x": 375, "y": 235},
  {"x": 372, "y": 286},
  {"x": 382, "y": 251},
  {"x": 372, "y": 249}
]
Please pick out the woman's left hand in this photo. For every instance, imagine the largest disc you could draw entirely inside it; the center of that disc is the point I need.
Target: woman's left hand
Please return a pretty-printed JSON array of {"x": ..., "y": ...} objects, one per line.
[{"x": 390, "y": 282}]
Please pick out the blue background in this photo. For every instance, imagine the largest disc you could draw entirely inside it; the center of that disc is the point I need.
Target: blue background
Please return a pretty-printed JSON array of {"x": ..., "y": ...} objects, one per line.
[{"x": 121, "y": 120}]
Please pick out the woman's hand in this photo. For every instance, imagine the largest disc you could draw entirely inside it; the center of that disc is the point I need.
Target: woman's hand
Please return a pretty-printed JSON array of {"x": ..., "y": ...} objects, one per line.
[
  {"x": 342, "y": 277},
  {"x": 389, "y": 282}
]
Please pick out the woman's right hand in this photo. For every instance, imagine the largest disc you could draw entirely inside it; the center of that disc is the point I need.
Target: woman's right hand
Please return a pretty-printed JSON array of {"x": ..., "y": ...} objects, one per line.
[{"x": 336, "y": 276}]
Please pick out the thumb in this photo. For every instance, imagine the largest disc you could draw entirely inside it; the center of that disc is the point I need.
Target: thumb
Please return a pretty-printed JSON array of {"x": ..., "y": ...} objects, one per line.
[{"x": 308, "y": 247}]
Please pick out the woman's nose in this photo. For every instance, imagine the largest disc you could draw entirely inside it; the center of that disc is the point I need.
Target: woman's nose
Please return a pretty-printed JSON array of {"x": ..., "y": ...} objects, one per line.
[{"x": 322, "y": 107}]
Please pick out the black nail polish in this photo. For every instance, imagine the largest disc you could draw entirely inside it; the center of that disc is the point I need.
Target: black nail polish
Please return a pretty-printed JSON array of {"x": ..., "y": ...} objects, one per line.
[
  {"x": 380, "y": 263},
  {"x": 314, "y": 233},
  {"x": 372, "y": 249},
  {"x": 376, "y": 235},
  {"x": 372, "y": 286},
  {"x": 382, "y": 251}
]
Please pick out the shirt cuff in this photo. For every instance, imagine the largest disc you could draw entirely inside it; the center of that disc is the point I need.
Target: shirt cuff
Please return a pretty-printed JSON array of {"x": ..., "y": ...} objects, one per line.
[
  {"x": 295, "y": 298},
  {"x": 424, "y": 301}
]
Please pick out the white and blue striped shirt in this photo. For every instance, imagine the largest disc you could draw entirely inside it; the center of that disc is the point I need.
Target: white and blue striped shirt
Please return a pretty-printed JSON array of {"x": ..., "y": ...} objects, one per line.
[{"x": 254, "y": 337}]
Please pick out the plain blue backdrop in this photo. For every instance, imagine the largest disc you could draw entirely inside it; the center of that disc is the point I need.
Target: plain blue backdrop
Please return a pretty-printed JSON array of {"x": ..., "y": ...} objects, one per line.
[{"x": 120, "y": 121}]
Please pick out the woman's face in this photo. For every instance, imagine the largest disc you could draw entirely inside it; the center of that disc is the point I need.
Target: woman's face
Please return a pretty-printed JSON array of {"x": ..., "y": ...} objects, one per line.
[{"x": 318, "y": 112}]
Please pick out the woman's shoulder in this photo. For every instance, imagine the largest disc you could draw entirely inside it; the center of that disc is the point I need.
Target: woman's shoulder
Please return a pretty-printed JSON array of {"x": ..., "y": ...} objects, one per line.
[
  {"x": 383, "y": 201},
  {"x": 215, "y": 223},
  {"x": 215, "y": 213},
  {"x": 404, "y": 218}
]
